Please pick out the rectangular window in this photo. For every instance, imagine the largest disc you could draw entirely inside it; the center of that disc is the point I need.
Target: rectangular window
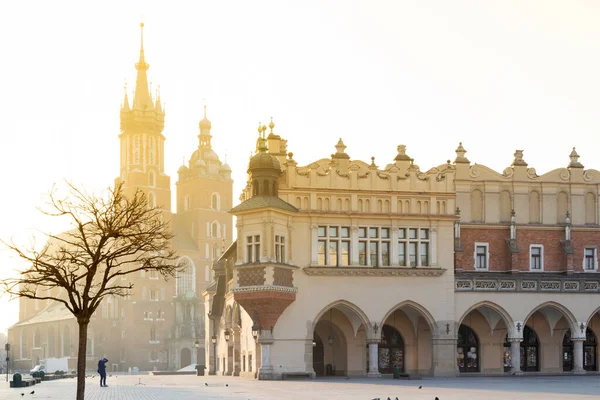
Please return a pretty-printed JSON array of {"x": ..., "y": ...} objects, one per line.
[
  {"x": 345, "y": 253},
  {"x": 412, "y": 254},
  {"x": 589, "y": 261},
  {"x": 373, "y": 254},
  {"x": 256, "y": 248},
  {"x": 536, "y": 258},
  {"x": 424, "y": 254},
  {"x": 481, "y": 257},
  {"x": 362, "y": 253},
  {"x": 401, "y": 233},
  {"x": 385, "y": 254},
  {"x": 333, "y": 250},
  {"x": 402, "y": 254},
  {"x": 280, "y": 248},
  {"x": 412, "y": 233}
]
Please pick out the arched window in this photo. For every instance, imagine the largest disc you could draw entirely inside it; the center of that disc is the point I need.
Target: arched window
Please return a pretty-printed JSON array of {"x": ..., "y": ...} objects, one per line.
[
  {"x": 360, "y": 205},
  {"x": 386, "y": 206},
  {"x": 216, "y": 252},
  {"x": 379, "y": 206},
  {"x": 215, "y": 202},
  {"x": 326, "y": 204},
  {"x": 187, "y": 203},
  {"x": 185, "y": 279},
  {"x": 66, "y": 340},
  {"x": 419, "y": 207},
  {"x": 214, "y": 230},
  {"x": 476, "y": 206},
  {"x": 367, "y": 205},
  {"x": 407, "y": 206},
  {"x": 347, "y": 205},
  {"x": 338, "y": 206},
  {"x": 319, "y": 203},
  {"x": 467, "y": 350},
  {"x": 534, "y": 208},
  {"x": 152, "y": 151},
  {"x": 400, "y": 206},
  {"x": 152, "y": 178},
  {"x": 425, "y": 207},
  {"x": 298, "y": 203},
  {"x": 590, "y": 208},
  {"x": 505, "y": 206},
  {"x": 562, "y": 205},
  {"x": 305, "y": 203},
  {"x": 136, "y": 149},
  {"x": 24, "y": 343}
]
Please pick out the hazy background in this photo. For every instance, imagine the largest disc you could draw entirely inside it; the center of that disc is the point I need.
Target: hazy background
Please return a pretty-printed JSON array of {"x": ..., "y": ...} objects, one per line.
[{"x": 497, "y": 76}]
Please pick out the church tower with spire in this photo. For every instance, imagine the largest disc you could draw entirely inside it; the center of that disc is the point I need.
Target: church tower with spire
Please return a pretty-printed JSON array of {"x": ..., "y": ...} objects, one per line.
[{"x": 142, "y": 141}]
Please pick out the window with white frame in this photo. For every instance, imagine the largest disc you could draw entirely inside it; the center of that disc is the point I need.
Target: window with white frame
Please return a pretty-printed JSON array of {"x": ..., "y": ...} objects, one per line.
[
  {"x": 333, "y": 246},
  {"x": 590, "y": 259},
  {"x": 482, "y": 256},
  {"x": 536, "y": 257},
  {"x": 280, "y": 248},
  {"x": 253, "y": 248},
  {"x": 413, "y": 247}
]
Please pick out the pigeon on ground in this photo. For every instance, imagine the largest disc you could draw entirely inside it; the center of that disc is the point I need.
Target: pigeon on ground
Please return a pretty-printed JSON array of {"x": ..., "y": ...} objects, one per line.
[
  {"x": 227, "y": 384},
  {"x": 396, "y": 398},
  {"x": 389, "y": 398},
  {"x": 420, "y": 387},
  {"x": 437, "y": 398},
  {"x": 205, "y": 384},
  {"x": 22, "y": 394},
  {"x": 32, "y": 392}
]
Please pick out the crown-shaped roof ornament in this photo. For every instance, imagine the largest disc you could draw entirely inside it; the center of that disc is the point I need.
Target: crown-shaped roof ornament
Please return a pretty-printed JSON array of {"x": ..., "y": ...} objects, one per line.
[
  {"x": 340, "y": 148},
  {"x": 402, "y": 156},
  {"x": 574, "y": 160},
  {"x": 460, "y": 155},
  {"x": 518, "y": 161}
]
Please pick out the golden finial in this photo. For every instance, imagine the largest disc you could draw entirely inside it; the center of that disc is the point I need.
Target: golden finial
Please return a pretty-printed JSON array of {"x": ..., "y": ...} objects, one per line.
[
  {"x": 205, "y": 111},
  {"x": 142, "y": 35},
  {"x": 259, "y": 127},
  {"x": 271, "y": 125},
  {"x": 263, "y": 128}
]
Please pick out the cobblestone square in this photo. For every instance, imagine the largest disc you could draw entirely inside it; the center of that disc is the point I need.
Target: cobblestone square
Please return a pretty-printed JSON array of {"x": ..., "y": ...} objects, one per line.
[{"x": 133, "y": 387}]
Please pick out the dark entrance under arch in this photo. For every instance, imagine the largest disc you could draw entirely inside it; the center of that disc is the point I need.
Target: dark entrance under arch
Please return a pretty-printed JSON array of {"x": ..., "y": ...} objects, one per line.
[
  {"x": 318, "y": 356},
  {"x": 390, "y": 351},
  {"x": 530, "y": 357},
  {"x": 467, "y": 350},
  {"x": 186, "y": 357},
  {"x": 589, "y": 351}
]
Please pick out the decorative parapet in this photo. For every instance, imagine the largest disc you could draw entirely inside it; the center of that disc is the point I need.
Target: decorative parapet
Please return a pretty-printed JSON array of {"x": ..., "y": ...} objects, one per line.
[
  {"x": 558, "y": 284},
  {"x": 270, "y": 288},
  {"x": 360, "y": 271},
  {"x": 283, "y": 277}
]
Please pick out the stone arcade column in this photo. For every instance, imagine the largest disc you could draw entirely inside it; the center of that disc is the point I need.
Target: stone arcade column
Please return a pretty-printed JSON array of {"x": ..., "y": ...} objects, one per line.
[
  {"x": 237, "y": 348},
  {"x": 373, "y": 359},
  {"x": 265, "y": 372},
  {"x": 578, "y": 356},
  {"x": 515, "y": 355},
  {"x": 444, "y": 349}
]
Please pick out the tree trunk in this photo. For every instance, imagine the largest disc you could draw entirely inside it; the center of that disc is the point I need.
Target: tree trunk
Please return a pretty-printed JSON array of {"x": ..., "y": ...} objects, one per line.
[{"x": 81, "y": 357}]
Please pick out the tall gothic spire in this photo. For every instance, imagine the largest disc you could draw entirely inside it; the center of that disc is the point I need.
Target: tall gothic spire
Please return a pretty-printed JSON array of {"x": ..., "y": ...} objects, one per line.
[{"x": 142, "y": 99}]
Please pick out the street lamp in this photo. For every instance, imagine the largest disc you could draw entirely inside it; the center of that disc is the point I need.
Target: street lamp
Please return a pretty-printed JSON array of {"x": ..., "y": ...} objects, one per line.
[
  {"x": 255, "y": 331},
  {"x": 227, "y": 335}
]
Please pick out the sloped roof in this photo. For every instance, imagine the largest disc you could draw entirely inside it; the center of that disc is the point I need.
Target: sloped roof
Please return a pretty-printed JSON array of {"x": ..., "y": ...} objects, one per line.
[
  {"x": 258, "y": 202},
  {"x": 56, "y": 311}
]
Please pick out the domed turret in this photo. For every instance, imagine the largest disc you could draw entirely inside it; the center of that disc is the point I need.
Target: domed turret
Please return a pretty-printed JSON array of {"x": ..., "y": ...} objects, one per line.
[{"x": 264, "y": 169}]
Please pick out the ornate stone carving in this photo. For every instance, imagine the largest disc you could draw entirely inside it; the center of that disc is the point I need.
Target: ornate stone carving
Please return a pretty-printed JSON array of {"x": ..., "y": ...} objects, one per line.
[
  {"x": 529, "y": 285},
  {"x": 265, "y": 288},
  {"x": 588, "y": 176},
  {"x": 464, "y": 284},
  {"x": 590, "y": 285},
  {"x": 531, "y": 174},
  {"x": 550, "y": 286},
  {"x": 564, "y": 174},
  {"x": 486, "y": 284},
  {"x": 508, "y": 285},
  {"x": 361, "y": 271},
  {"x": 571, "y": 285},
  {"x": 474, "y": 171}
]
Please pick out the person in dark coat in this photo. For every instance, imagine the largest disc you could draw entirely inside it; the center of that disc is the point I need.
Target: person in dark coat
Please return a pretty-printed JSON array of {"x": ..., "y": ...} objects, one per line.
[{"x": 102, "y": 372}]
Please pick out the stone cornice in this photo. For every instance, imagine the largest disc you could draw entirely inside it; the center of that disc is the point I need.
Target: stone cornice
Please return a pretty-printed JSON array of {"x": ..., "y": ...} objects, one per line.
[
  {"x": 265, "y": 288},
  {"x": 370, "y": 271}
]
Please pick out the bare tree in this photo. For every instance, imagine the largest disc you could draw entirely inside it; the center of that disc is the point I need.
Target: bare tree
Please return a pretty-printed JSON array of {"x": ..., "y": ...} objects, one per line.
[{"x": 112, "y": 235}]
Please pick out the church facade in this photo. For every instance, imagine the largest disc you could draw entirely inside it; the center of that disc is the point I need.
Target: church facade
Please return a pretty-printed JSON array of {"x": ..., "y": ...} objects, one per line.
[
  {"x": 160, "y": 325},
  {"x": 343, "y": 267}
]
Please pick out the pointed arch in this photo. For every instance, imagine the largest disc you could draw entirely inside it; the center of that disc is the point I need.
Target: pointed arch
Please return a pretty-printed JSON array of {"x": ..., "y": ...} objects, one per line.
[
  {"x": 417, "y": 307},
  {"x": 341, "y": 304},
  {"x": 507, "y": 319},
  {"x": 566, "y": 313}
]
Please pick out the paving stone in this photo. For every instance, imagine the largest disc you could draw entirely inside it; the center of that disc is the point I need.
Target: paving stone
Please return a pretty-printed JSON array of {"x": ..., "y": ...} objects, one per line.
[{"x": 146, "y": 387}]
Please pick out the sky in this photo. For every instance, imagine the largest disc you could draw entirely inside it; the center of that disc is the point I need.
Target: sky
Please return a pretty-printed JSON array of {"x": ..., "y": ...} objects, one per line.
[{"x": 495, "y": 75}]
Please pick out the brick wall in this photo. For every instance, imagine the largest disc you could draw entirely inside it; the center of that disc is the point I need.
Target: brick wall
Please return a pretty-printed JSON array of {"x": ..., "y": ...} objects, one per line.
[{"x": 555, "y": 259}]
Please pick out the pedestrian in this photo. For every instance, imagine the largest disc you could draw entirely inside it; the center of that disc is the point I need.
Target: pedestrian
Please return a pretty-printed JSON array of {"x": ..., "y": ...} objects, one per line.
[{"x": 102, "y": 371}]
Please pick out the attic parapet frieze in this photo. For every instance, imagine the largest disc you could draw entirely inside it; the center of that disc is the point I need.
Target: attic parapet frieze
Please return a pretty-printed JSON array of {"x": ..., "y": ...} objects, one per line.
[{"x": 376, "y": 272}]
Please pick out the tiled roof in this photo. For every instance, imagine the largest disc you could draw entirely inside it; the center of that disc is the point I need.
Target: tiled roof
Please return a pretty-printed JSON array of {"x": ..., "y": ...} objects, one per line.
[{"x": 257, "y": 202}]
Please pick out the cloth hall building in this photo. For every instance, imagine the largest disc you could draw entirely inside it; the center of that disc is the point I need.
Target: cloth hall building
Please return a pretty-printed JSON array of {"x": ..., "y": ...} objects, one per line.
[{"x": 344, "y": 267}]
